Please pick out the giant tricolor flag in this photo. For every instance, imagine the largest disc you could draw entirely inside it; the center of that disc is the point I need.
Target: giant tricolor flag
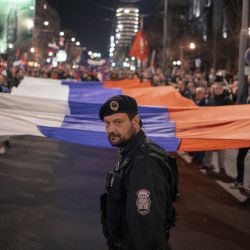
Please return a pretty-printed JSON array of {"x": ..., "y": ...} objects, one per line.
[{"x": 68, "y": 111}]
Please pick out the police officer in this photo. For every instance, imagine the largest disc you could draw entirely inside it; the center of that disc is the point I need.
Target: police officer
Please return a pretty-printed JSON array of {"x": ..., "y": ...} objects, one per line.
[{"x": 135, "y": 206}]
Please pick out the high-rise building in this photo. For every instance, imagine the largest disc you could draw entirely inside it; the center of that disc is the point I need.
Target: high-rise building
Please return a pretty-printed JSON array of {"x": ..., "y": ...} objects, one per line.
[{"x": 127, "y": 24}]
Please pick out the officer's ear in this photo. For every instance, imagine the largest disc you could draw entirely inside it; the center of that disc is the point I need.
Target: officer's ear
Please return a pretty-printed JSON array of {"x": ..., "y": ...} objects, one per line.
[{"x": 136, "y": 122}]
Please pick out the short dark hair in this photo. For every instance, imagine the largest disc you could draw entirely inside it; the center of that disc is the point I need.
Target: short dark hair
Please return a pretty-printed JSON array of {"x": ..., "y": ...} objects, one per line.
[{"x": 131, "y": 116}]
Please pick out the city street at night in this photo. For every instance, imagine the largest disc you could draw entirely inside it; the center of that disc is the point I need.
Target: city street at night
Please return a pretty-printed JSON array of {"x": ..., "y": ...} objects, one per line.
[
  {"x": 50, "y": 200},
  {"x": 98, "y": 102}
]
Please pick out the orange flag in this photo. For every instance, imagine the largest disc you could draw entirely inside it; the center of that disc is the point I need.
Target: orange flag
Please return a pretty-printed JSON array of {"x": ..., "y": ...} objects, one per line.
[
  {"x": 139, "y": 48},
  {"x": 198, "y": 128},
  {"x": 126, "y": 84}
]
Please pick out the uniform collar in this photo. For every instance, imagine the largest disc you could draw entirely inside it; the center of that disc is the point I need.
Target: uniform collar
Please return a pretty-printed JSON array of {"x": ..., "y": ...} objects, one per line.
[{"x": 136, "y": 141}]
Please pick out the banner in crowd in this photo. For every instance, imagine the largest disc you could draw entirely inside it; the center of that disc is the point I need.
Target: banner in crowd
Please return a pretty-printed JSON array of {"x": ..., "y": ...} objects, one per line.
[
  {"x": 139, "y": 47},
  {"x": 68, "y": 111}
]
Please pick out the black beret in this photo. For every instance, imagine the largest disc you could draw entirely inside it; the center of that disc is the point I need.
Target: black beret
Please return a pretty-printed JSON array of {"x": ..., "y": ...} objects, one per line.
[{"x": 118, "y": 104}]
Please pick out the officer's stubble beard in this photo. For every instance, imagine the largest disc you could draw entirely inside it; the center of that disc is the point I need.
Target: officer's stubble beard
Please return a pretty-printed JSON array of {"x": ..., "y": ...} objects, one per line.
[{"x": 123, "y": 141}]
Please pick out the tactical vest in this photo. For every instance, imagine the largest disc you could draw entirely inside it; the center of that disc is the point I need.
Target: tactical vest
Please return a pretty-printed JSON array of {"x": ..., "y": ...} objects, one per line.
[{"x": 115, "y": 194}]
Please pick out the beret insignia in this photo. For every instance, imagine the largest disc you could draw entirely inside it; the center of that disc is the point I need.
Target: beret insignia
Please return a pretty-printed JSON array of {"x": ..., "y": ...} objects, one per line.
[{"x": 114, "y": 105}]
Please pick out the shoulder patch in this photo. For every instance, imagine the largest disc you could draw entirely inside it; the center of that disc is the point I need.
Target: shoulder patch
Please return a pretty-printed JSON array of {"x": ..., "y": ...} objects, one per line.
[{"x": 143, "y": 201}]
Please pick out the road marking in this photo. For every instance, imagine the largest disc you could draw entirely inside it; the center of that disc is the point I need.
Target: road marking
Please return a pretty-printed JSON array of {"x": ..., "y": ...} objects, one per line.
[{"x": 234, "y": 192}]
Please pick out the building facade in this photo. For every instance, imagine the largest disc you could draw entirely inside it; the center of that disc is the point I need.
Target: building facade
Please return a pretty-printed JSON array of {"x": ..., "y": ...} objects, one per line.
[{"x": 127, "y": 24}]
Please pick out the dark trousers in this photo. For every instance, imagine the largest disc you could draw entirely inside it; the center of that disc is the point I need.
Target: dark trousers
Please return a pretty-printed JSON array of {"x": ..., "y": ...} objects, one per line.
[
  {"x": 198, "y": 156},
  {"x": 240, "y": 164}
]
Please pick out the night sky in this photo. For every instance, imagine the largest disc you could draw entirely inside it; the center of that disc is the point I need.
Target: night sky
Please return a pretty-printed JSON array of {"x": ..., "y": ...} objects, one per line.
[{"x": 92, "y": 20}]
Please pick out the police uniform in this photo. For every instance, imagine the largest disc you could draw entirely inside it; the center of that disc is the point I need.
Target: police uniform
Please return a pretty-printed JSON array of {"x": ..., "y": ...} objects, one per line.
[{"x": 135, "y": 205}]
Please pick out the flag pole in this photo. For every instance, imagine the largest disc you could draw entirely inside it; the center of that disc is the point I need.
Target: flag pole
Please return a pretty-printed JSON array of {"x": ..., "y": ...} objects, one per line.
[
  {"x": 164, "y": 45},
  {"x": 141, "y": 29}
]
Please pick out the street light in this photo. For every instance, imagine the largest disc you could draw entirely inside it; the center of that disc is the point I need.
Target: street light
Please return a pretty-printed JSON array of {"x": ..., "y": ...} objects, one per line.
[
  {"x": 29, "y": 23},
  {"x": 192, "y": 45},
  {"x": 61, "y": 33},
  {"x": 78, "y": 43},
  {"x": 46, "y": 23},
  {"x": 32, "y": 50},
  {"x": 73, "y": 39},
  {"x": 11, "y": 46}
]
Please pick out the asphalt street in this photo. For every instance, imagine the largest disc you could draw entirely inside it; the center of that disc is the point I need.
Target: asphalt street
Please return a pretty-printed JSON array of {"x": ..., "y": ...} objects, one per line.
[
  {"x": 50, "y": 191},
  {"x": 230, "y": 167}
]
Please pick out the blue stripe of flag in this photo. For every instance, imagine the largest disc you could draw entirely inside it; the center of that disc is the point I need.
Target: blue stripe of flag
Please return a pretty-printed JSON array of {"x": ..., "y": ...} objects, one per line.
[{"x": 82, "y": 125}]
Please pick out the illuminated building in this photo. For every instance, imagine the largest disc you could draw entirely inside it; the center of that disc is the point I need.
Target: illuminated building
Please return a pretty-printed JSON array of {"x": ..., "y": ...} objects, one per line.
[{"x": 127, "y": 24}]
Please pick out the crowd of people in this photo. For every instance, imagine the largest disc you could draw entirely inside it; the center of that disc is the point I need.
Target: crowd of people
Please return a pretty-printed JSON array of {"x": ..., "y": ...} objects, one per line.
[{"x": 205, "y": 89}]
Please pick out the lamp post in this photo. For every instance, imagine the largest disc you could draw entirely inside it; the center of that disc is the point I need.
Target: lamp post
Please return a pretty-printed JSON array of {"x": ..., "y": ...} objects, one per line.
[
  {"x": 164, "y": 47},
  {"x": 243, "y": 46}
]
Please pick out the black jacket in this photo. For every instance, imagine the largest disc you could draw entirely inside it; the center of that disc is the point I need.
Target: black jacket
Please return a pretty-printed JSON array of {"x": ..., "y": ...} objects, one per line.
[{"x": 137, "y": 195}]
